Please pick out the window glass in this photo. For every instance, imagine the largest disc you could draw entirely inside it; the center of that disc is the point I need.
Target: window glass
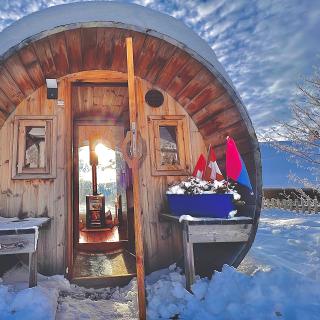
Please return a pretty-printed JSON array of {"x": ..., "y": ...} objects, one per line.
[
  {"x": 35, "y": 153},
  {"x": 168, "y": 145},
  {"x": 106, "y": 176}
]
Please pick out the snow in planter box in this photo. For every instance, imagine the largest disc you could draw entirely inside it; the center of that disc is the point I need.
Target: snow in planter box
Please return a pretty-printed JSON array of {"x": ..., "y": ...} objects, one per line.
[{"x": 201, "y": 198}]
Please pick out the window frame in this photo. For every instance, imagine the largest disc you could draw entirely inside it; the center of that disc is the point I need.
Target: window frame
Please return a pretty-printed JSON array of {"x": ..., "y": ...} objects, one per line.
[
  {"x": 183, "y": 145},
  {"x": 19, "y": 171}
]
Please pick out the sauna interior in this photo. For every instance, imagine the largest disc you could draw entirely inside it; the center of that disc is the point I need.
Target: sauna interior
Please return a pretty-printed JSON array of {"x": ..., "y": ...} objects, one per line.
[{"x": 103, "y": 213}]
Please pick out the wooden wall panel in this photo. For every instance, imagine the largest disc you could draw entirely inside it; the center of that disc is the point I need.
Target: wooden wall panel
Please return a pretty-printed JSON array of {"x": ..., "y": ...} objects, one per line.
[
  {"x": 6, "y": 105},
  {"x": 146, "y": 56},
  {"x": 102, "y": 101},
  {"x": 59, "y": 53},
  {"x": 119, "y": 50},
  {"x": 37, "y": 197},
  {"x": 20, "y": 75},
  {"x": 183, "y": 77},
  {"x": 223, "y": 102},
  {"x": 207, "y": 98},
  {"x": 9, "y": 86},
  {"x": 52, "y": 197},
  {"x": 104, "y": 48},
  {"x": 196, "y": 85},
  {"x": 73, "y": 42},
  {"x": 45, "y": 58},
  {"x": 157, "y": 61},
  {"x": 162, "y": 241},
  {"x": 31, "y": 63},
  {"x": 176, "y": 62},
  {"x": 164, "y": 53},
  {"x": 89, "y": 48}
]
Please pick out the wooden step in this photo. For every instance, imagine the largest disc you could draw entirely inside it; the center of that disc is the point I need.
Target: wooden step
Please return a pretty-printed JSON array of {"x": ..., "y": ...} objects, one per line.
[
  {"x": 103, "y": 282},
  {"x": 103, "y": 269},
  {"x": 98, "y": 247}
]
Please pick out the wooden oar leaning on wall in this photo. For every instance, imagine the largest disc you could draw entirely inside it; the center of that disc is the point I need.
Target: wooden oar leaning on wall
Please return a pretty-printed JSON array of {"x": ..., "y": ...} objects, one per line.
[{"x": 134, "y": 164}]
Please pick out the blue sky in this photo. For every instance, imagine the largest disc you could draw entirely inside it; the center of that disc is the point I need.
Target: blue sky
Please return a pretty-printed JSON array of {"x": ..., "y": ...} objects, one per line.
[{"x": 266, "y": 46}]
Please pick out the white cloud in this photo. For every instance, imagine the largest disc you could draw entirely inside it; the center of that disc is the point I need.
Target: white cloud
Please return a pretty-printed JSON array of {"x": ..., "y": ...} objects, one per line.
[{"x": 265, "y": 45}]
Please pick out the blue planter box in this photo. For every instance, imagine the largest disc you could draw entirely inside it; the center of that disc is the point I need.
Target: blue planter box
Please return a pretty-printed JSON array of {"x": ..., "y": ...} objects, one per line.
[{"x": 201, "y": 205}]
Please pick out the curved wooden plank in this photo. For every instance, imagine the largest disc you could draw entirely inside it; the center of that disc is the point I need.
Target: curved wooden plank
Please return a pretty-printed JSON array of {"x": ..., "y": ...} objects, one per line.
[
  {"x": 45, "y": 58},
  {"x": 89, "y": 48},
  {"x": 32, "y": 65},
  {"x": 9, "y": 86},
  {"x": 59, "y": 53},
  {"x": 19, "y": 74},
  {"x": 73, "y": 42}
]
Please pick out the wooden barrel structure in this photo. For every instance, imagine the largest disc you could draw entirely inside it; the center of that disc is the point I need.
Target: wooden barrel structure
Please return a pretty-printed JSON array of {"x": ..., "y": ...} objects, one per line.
[{"x": 82, "y": 45}]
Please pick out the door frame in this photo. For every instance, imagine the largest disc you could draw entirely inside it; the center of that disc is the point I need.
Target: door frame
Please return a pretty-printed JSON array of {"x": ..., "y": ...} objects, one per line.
[
  {"x": 82, "y": 121},
  {"x": 66, "y": 83}
]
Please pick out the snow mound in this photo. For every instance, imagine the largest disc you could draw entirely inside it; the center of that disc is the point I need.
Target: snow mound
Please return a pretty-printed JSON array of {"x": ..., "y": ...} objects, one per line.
[
  {"x": 233, "y": 295},
  {"x": 279, "y": 280},
  {"x": 17, "y": 301}
]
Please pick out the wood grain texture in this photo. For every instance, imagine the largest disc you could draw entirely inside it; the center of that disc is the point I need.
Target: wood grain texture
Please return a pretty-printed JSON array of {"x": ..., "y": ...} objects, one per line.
[
  {"x": 17, "y": 243},
  {"x": 10, "y": 87},
  {"x": 6, "y": 105},
  {"x": 162, "y": 241},
  {"x": 89, "y": 48},
  {"x": 119, "y": 54},
  {"x": 163, "y": 54},
  {"x": 208, "y": 110},
  {"x": 188, "y": 258},
  {"x": 194, "y": 86},
  {"x": 145, "y": 59},
  {"x": 102, "y": 101},
  {"x": 74, "y": 49},
  {"x": 169, "y": 71},
  {"x": 104, "y": 52},
  {"x": 26, "y": 197},
  {"x": 20, "y": 75},
  {"x": 33, "y": 273},
  {"x": 138, "y": 224},
  {"x": 43, "y": 51},
  {"x": 207, "y": 99},
  {"x": 32, "y": 65},
  {"x": 183, "y": 77},
  {"x": 59, "y": 53},
  {"x": 157, "y": 61},
  {"x": 219, "y": 233},
  {"x": 189, "y": 89}
]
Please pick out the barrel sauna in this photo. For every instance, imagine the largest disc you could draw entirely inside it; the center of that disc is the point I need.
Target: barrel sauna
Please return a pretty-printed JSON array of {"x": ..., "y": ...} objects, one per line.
[{"x": 82, "y": 48}]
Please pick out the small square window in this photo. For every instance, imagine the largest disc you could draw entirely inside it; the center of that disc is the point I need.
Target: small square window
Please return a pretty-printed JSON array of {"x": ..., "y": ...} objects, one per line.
[
  {"x": 169, "y": 145},
  {"x": 34, "y": 147},
  {"x": 169, "y": 153}
]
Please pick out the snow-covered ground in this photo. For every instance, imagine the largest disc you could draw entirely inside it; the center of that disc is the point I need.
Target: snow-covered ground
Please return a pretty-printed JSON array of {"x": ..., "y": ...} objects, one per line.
[{"x": 279, "y": 279}]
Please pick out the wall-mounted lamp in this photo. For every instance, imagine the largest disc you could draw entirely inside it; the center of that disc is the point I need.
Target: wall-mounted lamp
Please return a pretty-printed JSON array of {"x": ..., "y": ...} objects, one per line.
[{"x": 52, "y": 88}]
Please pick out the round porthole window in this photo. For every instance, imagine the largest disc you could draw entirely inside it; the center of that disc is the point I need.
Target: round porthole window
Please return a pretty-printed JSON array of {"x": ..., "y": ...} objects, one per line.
[{"x": 154, "y": 98}]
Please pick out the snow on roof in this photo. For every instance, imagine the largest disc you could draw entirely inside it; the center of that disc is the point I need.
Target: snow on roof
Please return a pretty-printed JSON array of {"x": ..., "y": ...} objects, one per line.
[{"x": 129, "y": 16}]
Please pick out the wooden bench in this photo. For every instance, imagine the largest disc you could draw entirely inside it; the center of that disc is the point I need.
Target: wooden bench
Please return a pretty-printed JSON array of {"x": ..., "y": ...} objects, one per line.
[
  {"x": 206, "y": 230},
  {"x": 21, "y": 236}
]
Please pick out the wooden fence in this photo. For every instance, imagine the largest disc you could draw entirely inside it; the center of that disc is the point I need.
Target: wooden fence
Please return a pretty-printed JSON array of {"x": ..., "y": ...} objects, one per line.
[{"x": 303, "y": 205}]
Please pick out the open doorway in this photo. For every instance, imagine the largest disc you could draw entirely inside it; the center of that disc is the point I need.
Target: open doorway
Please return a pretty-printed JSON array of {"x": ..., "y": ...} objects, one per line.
[{"x": 102, "y": 188}]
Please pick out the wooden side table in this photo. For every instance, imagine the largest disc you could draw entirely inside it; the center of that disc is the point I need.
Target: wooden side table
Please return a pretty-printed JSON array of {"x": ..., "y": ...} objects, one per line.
[
  {"x": 21, "y": 236},
  {"x": 208, "y": 230}
]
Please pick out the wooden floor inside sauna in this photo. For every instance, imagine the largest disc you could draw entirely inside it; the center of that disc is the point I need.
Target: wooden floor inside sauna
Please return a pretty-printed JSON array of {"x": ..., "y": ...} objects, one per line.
[
  {"x": 99, "y": 235},
  {"x": 113, "y": 234}
]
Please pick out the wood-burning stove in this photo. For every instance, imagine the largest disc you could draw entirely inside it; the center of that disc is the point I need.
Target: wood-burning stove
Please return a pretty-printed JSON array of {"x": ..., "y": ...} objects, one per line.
[{"x": 95, "y": 203}]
